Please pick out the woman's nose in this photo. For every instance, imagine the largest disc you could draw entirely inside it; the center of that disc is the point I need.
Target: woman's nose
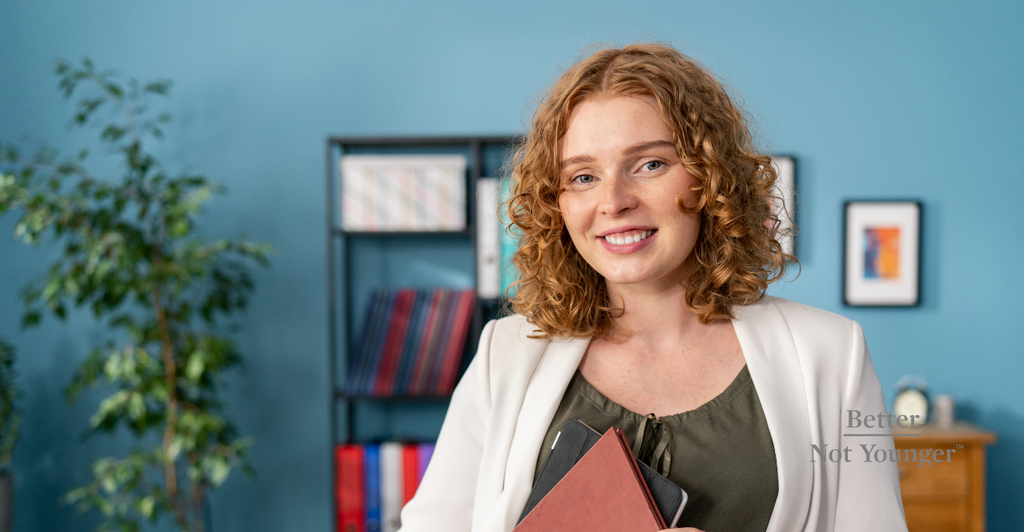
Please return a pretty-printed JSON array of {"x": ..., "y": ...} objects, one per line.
[{"x": 617, "y": 196}]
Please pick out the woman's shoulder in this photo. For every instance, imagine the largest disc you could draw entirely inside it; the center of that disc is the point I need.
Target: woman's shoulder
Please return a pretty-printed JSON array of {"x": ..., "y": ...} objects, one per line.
[
  {"x": 512, "y": 333},
  {"x": 511, "y": 340},
  {"x": 816, "y": 334},
  {"x": 802, "y": 315},
  {"x": 514, "y": 341},
  {"x": 798, "y": 316},
  {"x": 514, "y": 325}
]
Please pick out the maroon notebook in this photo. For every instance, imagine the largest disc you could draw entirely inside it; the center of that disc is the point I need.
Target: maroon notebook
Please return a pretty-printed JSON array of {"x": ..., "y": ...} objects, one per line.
[
  {"x": 603, "y": 492},
  {"x": 392, "y": 352},
  {"x": 456, "y": 342}
]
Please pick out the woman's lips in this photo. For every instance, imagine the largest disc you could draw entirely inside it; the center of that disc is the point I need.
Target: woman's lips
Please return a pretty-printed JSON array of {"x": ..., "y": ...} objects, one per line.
[{"x": 628, "y": 245}]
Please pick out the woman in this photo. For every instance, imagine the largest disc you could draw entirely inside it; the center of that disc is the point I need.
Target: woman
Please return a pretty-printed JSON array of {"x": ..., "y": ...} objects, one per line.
[{"x": 647, "y": 245}]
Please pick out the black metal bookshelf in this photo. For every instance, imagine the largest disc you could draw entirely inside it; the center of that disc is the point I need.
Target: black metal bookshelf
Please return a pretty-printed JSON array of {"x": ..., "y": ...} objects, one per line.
[{"x": 486, "y": 157}]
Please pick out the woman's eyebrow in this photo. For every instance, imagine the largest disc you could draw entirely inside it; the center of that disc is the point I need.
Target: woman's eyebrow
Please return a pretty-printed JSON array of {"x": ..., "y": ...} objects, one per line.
[
  {"x": 648, "y": 145},
  {"x": 575, "y": 160},
  {"x": 628, "y": 151}
]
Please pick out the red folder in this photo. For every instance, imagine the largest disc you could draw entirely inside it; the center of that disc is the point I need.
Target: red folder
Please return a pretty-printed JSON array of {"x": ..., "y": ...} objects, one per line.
[
  {"x": 410, "y": 471},
  {"x": 603, "y": 492},
  {"x": 349, "y": 490}
]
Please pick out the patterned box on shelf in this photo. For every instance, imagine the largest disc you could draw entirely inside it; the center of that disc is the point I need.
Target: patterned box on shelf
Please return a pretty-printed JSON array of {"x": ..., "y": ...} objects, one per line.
[{"x": 403, "y": 193}]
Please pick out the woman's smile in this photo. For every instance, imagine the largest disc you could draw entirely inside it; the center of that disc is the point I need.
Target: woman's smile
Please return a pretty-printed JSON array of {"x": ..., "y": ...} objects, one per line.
[{"x": 625, "y": 242}]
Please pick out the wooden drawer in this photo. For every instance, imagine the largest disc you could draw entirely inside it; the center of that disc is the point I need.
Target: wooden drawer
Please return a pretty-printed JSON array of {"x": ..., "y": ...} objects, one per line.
[
  {"x": 945, "y": 496},
  {"x": 939, "y": 480},
  {"x": 936, "y": 516}
]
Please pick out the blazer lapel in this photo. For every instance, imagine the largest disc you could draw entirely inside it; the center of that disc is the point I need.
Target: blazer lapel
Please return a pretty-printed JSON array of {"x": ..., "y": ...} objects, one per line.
[
  {"x": 543, "y": 394},
  {"x": 775, "y": 370}
]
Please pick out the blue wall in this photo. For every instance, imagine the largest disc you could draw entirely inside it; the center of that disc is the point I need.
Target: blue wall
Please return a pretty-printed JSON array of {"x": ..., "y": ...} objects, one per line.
[{"x": 877, "y": 100}]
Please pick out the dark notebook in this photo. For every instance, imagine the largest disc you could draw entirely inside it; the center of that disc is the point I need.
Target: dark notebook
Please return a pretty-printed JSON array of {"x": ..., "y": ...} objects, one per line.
[{"x": 571, "y": 444}]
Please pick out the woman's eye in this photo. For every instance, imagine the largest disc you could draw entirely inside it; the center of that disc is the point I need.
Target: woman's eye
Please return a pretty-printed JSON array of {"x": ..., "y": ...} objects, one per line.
[
  {"x": 653, "y": 165},
  {"x": 584, "y": 179}
]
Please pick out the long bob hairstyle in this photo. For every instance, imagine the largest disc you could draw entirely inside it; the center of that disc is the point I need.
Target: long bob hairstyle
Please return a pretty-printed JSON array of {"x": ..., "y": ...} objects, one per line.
[{"x": 737, "y": 253}]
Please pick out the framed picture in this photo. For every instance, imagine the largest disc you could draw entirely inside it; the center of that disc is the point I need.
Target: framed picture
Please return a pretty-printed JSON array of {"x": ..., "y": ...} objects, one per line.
[
  {"x": 785, "y": 186},
  {"x": 882, "y": 253}
]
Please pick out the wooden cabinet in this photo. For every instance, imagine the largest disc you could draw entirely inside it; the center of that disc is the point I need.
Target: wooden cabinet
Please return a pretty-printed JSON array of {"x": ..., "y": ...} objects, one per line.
[{"x": 942, "y": 477}]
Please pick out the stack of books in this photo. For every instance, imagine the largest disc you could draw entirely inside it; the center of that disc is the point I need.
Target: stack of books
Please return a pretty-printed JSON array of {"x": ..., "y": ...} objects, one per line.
[
  {"x": 411, "y": 342},
  {"x": 593, "y": 483},
  {"x": 374, "y": 481}
]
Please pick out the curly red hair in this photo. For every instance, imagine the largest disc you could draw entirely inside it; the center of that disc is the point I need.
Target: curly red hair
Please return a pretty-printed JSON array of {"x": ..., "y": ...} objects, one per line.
[{"x": 738, "y": 252}]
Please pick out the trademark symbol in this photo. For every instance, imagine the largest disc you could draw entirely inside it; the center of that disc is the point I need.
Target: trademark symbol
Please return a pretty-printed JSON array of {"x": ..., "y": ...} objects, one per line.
[{"x": 959, "y": 446}]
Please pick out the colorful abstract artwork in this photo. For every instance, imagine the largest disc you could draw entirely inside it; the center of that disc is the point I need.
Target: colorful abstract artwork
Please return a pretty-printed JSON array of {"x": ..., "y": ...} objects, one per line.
[{"x": 881, "y": 252}]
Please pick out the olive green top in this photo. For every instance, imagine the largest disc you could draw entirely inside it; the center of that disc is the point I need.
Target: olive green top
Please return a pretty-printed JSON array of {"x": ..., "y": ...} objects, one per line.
[{"x": 721, "y": 453}]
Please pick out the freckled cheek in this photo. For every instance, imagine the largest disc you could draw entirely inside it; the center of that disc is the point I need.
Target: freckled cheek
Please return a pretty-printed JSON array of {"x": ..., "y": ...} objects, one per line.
[{"x": 571, "y": 216}]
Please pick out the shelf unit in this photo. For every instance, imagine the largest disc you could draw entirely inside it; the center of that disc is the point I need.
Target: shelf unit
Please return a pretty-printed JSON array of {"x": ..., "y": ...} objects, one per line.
[{"x": 447, "y": 256}]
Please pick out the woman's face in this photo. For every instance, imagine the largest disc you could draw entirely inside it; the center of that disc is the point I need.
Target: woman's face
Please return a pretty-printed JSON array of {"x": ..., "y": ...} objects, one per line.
[{"x": 620, "y": 178}]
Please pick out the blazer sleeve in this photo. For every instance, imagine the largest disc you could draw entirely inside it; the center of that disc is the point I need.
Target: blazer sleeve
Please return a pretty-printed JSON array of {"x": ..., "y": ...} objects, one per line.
[
  {"x": 444, "y": 499},
  {"x": 868, "y": 494}
]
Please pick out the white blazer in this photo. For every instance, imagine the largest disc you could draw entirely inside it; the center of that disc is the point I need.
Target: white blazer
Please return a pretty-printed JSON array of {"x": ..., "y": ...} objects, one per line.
[{"x": 810, "y": 367}]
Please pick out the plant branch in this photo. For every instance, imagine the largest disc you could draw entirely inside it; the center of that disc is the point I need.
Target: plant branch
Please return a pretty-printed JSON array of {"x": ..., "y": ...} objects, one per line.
[{"x": 170, "y": 376}]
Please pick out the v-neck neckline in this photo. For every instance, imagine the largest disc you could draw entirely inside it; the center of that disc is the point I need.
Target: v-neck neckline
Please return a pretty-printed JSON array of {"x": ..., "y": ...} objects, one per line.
[{"x": 587, "y": 390}]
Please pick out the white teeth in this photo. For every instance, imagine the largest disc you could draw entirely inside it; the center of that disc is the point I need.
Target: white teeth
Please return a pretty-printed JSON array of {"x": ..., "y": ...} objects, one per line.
[{"x": 621, "y": 241}]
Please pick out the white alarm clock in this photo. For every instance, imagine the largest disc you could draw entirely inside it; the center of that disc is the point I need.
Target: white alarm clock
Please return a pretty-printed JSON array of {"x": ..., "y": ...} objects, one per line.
[{"x": 911, "y": 399}]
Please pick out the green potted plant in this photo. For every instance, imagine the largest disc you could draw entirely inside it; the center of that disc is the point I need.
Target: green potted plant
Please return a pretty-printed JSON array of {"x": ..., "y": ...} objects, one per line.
[
  {"x": 131, "y": 257},
  {"x": 9, "y": 421}
]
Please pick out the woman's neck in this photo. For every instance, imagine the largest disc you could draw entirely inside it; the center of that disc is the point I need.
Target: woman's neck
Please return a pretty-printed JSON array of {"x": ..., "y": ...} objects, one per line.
[
  {"x": 660, "y": 358},
  {"x": 653, "y": 314}
]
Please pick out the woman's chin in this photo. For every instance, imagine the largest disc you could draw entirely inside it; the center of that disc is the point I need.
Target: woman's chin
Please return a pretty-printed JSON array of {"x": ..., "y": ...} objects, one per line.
[{"x": 642, "y": 281}]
